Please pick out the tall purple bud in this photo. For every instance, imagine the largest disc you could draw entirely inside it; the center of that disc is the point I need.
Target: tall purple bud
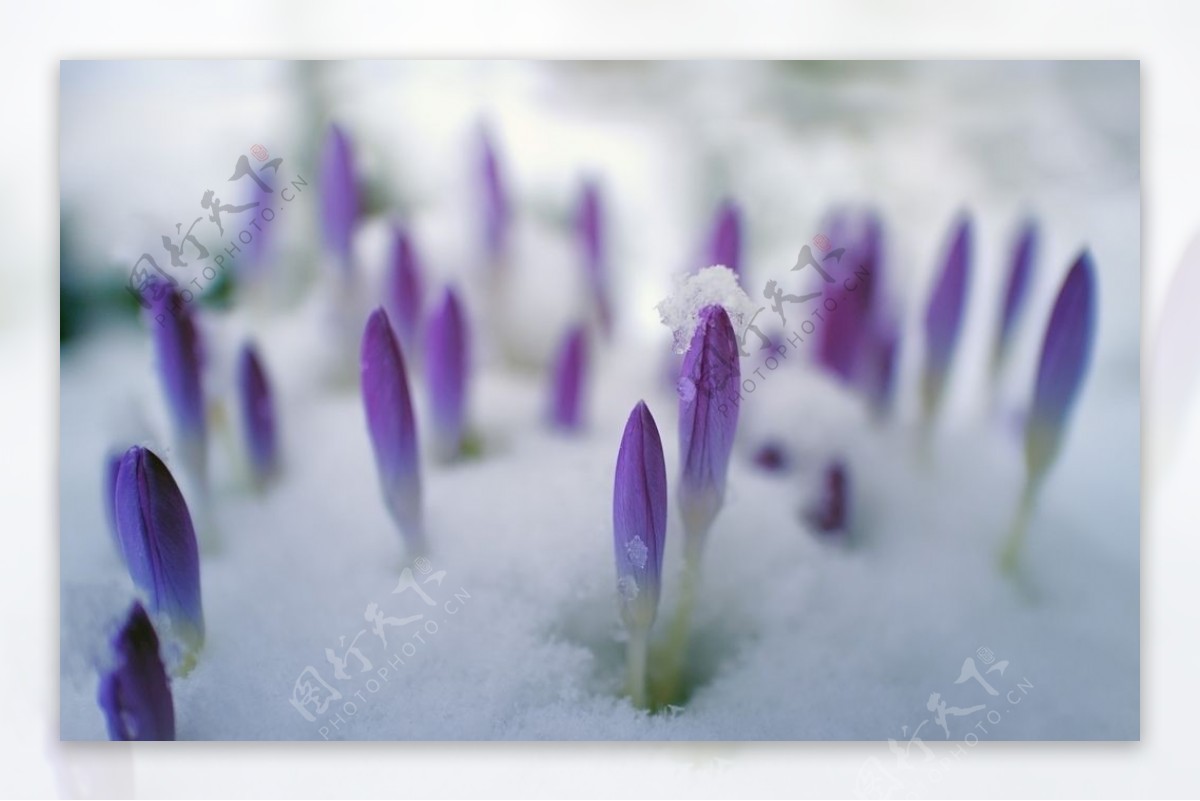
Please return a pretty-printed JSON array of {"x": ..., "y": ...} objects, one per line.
[
  {"x": 725, "y": 239},
  {"x": 1017, "y": 290},
  {"x": 403, "y": 291},
  {"x": 340, "y": 203},
  {"x": 258, "y": 415},
  {"x": 135, "y": 694},
  {"x": 178, "y": 353},
  {"x": 708, "y": 413},
  {"x": 1066, "y": 351},
  {"x": 851, "y": 315},
  {"x": 566, "y": 402},
  {"x": 589, "y": 226},
  {"x": 639, "y": 536},
  {"x": 944, "y": 317},
  {"x": 446, "y": 374},
  {"x": 392, "y": 428},
  {"x": 494, "y": 203},
  {"x": 159, "y": 543}
]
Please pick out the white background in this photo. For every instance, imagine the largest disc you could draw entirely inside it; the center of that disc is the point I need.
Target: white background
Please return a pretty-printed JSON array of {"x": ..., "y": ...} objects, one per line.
[{"x": 36, "y": 35}]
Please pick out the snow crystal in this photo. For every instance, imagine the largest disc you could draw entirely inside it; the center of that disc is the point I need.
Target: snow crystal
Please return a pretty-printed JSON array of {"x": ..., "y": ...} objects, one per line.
[
  {"x": 628, "y": 588},
  {"x": 680, "y": 311},
  {"x": 637, "y": 552}
]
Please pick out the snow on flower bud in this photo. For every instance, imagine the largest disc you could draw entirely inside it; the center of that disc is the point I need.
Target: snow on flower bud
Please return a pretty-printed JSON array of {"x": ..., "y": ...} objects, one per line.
[
  {"x": 944, "y": 316},
  {"x": 446, "y": 374},
  {"x": 1016, "y": 291},
  {"x": 403, "y": 290},
  {"x": 566, "y": 402},
  {"x": 725, "y": 240},
  {"x": 639, "y": 518},
  {"x": 708, "y": 413},
  {"x": 135, "y": 694},
  {"x": 392, "y": 428},
  {"x": 339, "y": 195},
  {"x": 589, "y": 227},
  {"x": 1066, "y": 350},
  {"x": 177, "y": 348},
  {"x": 494, "y": 203},
  {"x": 258, "y": 414},
  {"x": 159, "y": 543}
]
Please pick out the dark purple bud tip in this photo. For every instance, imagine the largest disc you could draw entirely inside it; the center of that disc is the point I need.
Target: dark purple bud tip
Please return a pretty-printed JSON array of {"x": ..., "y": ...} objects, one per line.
[
  {"x": 725, "y": 241},
  {"x": 829, "y": 513},
  {"x": 566, "y": 402},
  {"x": 339, "y": 195},
  {"x": 135, "y": 694},
  {"x": 258, "y": 415},
  {"x": 446, "y": 374},
  {"x": 772, "y": 457}
]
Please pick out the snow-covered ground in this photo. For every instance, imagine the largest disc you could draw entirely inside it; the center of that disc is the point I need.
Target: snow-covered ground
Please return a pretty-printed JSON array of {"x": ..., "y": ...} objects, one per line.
[{"x": 794, "y": 637}]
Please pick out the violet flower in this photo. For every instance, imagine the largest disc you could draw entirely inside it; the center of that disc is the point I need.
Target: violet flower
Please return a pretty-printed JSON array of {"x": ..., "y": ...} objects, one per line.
[
  {"x": 159, "y": 543},
  {"x": 179, "y": 358},
  {"x": 392, "y": 428},
  {"x": 340, "y": 205},
  {"x": 829, "y": 513},
  {"x": 845, "y": 328},
  {"x": 589, "y": 226},
  {"x": 135, "y": 694},
  {"x": 446, "y": 374},
  {"x": 403, "y": 292},
  {"x": 708, "y": 412},
  {"x": 1066, "y": 352},
  {"x": 258, "y": 415},
  {"x": 639, "y": 536},
  {"x": 725, "y": 240},
  {"x": 944, "y": 317},
  {"x": 494, "y": 202},
  {"x": 1017, "y": 290},
  {"x": 566, "y": 402}
]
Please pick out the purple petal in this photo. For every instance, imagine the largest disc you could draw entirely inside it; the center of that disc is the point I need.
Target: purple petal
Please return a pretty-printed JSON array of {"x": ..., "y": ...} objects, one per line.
[
  {"x": 135, "y": 694},
  {"x": 159, "y": 543},
  {"x": 258, "y": 413},
  {"x": 339, "y": 194},
  {"x": 639, "y": 518},
  {"x": 404, "y": 291},
  {"x": 392, "y": 428},
  {"x": 494, "y": 198},
  {"x": 1066, "y": 351},
  {"x": 178, "y": 351},
  {"x": 843, "y": 330},
  {"x": 708, "y": 413},
  {"x": 1018, "y": 287},
  {"x": 446, "y": 374},
  {"x": 589, "y": 225},
  {"x": 257, "y": 251},
  {"x": 944, "y": 315},
  {"x": 830, "y": 513},
  {"x": 566, "y": 404},
  {"x": 725, "y": 242}
]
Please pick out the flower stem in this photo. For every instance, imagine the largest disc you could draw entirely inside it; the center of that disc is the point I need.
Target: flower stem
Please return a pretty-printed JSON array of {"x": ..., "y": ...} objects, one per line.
[
  {"x": 635, "y": 652},
  {"x": 677, "y": 638},
  {"x": 1010, "y": 554}
]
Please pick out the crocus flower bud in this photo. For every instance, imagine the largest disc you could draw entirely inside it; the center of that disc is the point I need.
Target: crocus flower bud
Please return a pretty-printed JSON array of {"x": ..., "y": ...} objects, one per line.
[
  {"x": 566, "y": 402},
  {"x": 639, "y": 519},
  {"x": 177, "y": 348},
  {"x": 258, "y": 415},
  {"x": 446, "y": 374},
  {"x": 135, "y": 694},
  {"x": 589, "y": 226},
  {"x": 708, "y": 412},
  {"x": 159, "y": 544},
  {"x": 392, "y": 428},
  {"x": 829, "y": 513},
  {"x": 403, "y": 290},
  {"x": 943, "y": 318},
  {"x": 1020, "y": 272},
  {"x": 494, "y": 203},
  {"x": 339, "y": 195},
  {"x": 725, "y": 240}
]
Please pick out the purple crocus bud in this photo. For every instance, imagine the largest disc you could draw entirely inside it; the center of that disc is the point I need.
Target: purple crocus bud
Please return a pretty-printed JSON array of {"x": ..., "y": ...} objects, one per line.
[
  {"x": 725, "y": 241},
  {"x": 446, "y": 374},
  {"x": 135, "y": 694},
  {"x": 852, "y": 304},
  {"x": 1066, "y": 350},
  {"x": 589, "y": 225},
  {"x": 639, "y": 519},
  {"x": 159, "y": 543},
  {"x": 258, "y": 414},
  {"x": 495, "y": 209},
  {"x": 177, "y": 348},
  {"x": 708, "y": 412},
  {"x": 566, "y": 402},
  {"x": 1017, "y": 290},
  {"x": 829, "y": 513},
  {"x": 339, "y": 195},
  {"x": 403, "y": 291},
  {"x": 944, "y": 316},
  {"x": 877, "y": 372}
]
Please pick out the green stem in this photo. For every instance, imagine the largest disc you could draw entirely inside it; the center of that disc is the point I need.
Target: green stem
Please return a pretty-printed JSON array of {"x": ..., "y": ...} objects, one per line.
[
  {"x": 677, "y": 638},
  {"x": 635, "y": 653},
  {"x": 1010, "y": 554}
]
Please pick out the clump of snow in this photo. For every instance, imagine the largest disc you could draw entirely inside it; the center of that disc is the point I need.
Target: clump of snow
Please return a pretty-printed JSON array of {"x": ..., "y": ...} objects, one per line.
[{"x": 716, "y": 285}]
